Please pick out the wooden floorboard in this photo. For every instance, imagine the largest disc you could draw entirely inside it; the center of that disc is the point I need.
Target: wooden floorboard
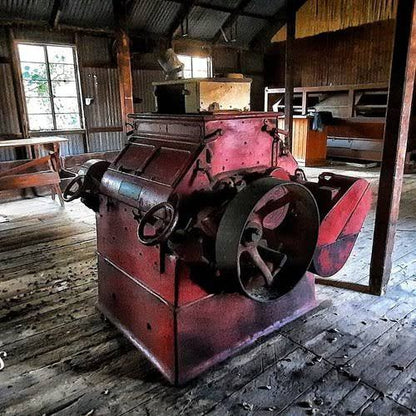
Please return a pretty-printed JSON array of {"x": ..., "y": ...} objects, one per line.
[{"x": 353, "y": 354}]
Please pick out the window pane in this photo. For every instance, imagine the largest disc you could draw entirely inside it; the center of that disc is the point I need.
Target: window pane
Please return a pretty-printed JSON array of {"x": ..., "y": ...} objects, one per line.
[
  {"x": 60, "y": 54},
  {"x": 38, "y": 105},
  {"x": 66, "y": 105},
  {"x": 187, "y": 74},
  {"x": 31, "y": 53},
  {"x": 33, "y": 72},
  {"x": 36, "y": 88},
  {"x": 200, "y": 65},
  {"x": 200, "y": 74},
  {"x": 40, "y": 122},
  {"x": 62, "y": 72},
  {"x": 68, "y": 121},
  {"x": 56, "y": 109},
  {"x": 185, "y": 60},
  {"x": 64, "y": 88}
]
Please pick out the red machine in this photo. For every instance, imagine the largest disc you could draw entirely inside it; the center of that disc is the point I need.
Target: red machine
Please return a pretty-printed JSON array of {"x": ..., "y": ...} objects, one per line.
[{"x": 208, "y": 235}]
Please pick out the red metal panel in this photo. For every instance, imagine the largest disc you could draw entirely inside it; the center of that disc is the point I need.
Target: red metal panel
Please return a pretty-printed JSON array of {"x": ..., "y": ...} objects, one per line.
[
  {"x": 342, "y": 220},
  {"x": 216, "y": 327},
  {"x": 204, "y": 337},
  {"x": 343, "y": 212},
  {"x": 118, "y": 242},
  {"x": 243, "y": 144},
  {"x": 174, "y": 161},
  {"x": 134, "y": 157},
  {"x": 144, "y": 318}
]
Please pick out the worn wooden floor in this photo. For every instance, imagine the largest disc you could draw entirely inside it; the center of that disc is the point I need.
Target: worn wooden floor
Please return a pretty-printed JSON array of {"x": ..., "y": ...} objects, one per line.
[{"x": 354, "y": 354}]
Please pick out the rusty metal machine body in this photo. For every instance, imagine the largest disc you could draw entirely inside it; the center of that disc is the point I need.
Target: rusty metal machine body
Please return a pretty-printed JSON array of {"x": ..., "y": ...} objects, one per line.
[{"x": 208, "y": 235}]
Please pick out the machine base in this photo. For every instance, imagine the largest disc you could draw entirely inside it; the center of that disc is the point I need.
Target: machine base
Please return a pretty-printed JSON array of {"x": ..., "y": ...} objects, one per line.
[{"x": 182, "y": 342}]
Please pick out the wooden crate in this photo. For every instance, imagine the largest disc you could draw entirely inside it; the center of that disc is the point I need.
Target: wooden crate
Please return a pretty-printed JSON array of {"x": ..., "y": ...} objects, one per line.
[{"x": 201, "y": 95}]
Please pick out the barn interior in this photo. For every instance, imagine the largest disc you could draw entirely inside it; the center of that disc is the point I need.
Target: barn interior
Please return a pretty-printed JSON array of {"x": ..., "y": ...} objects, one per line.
[{"x": 83, "y": 80}]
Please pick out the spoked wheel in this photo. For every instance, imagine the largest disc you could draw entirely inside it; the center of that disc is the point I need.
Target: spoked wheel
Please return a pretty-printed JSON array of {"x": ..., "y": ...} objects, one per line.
[{"x": 267, "y": 237}]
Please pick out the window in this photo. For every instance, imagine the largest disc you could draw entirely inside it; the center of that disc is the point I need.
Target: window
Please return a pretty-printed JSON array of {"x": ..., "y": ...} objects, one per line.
[
  {"x": 196, "y": 67},
  {"x": 50, "y": 82}
]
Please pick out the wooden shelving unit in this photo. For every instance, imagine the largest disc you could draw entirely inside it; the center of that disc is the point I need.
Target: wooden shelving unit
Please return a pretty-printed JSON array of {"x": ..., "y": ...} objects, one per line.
[{"x": 345, "y": 101}]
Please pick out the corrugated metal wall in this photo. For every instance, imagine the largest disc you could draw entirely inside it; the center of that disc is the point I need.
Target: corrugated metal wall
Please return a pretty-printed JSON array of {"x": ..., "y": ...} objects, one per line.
[
  {"x": 143, "y": 89},
  {"x": 74, "y": 145},
  {"x": 95, "y": 50},
  {"x": 103, "y": 142},
  {"x": 102, "y": 85},
  {"x": 9, "y": 123},
  {"x": 359, "y": 55}
]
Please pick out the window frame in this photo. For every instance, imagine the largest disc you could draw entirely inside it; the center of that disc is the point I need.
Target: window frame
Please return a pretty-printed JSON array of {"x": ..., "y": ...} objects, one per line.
[
  {"x": 51, "y": 97},
  {"x": 209, "y": 65}
]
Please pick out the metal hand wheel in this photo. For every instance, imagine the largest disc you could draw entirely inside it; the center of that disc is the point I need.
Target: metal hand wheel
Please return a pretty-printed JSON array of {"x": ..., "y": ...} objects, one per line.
[
  {"x": 74, "y": 189},
  {"x": 162, "y": 218}
]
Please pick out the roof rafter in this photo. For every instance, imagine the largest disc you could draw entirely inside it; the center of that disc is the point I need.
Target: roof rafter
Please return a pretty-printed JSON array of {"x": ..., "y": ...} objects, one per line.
[
  {"x": 181, "y": 15},
  {"x": 120, "y": 11},
  {"x": 56, "y": 13},
  {"x": 224, "y": 9},
  {"x": 232, "y": 18}
]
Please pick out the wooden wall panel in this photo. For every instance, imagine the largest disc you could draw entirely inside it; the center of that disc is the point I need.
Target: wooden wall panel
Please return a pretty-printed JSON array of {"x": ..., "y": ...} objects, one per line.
[
  {"x": 320, "y": 16},
  {"x": 359, "y": 55}
]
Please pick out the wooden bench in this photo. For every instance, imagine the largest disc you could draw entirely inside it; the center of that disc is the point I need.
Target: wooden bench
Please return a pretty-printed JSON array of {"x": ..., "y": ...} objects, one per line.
[{"x": 46, "y": 168}]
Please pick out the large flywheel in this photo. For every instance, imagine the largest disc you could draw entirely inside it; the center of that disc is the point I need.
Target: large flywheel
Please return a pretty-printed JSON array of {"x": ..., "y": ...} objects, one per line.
[{"x": 267, "y": 237}]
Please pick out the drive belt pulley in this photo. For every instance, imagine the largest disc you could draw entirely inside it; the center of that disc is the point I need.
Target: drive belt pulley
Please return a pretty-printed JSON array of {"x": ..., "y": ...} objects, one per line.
[{"x": 267, "y": 237}]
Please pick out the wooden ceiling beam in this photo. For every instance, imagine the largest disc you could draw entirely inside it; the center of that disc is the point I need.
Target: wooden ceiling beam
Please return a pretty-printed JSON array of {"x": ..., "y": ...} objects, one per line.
[
  {"x": 224, "y": 9},
  {"x": 37, "y": 24},
  {"x": 56, "y": 13},
  {"x": 278, "y": 21},
  {"x": 232, "y": 18}
]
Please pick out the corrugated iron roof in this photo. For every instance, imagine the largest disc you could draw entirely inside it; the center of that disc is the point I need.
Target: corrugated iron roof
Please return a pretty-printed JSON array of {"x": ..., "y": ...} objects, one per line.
[
  {"x": 265, "y": 7},
  {"x": 26, "y": 9},
  {"x": 247, "y": 28},
  {"x": 205, "y": 23},
  {"x": 153, "y": 16},
  {"x": 88, "y": 13}
]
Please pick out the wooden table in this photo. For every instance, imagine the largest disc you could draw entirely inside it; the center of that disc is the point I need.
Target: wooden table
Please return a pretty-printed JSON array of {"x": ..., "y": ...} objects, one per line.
[{"x": 23, "y": 176}]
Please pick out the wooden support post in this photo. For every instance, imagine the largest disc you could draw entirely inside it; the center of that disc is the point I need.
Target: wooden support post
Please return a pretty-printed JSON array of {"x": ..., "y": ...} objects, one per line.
[
  {"x": 125, "y": 75},
  {"x": 18, "y": 86},
  {"x": 80, "y": 64},
  {"x": 401, "y": 95},
  {"x": 123, "y": 61},
  {"x": 351, "y": 103},
  {"x": 304, "y": 103},
  {"x": 289, "y": 68}
]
